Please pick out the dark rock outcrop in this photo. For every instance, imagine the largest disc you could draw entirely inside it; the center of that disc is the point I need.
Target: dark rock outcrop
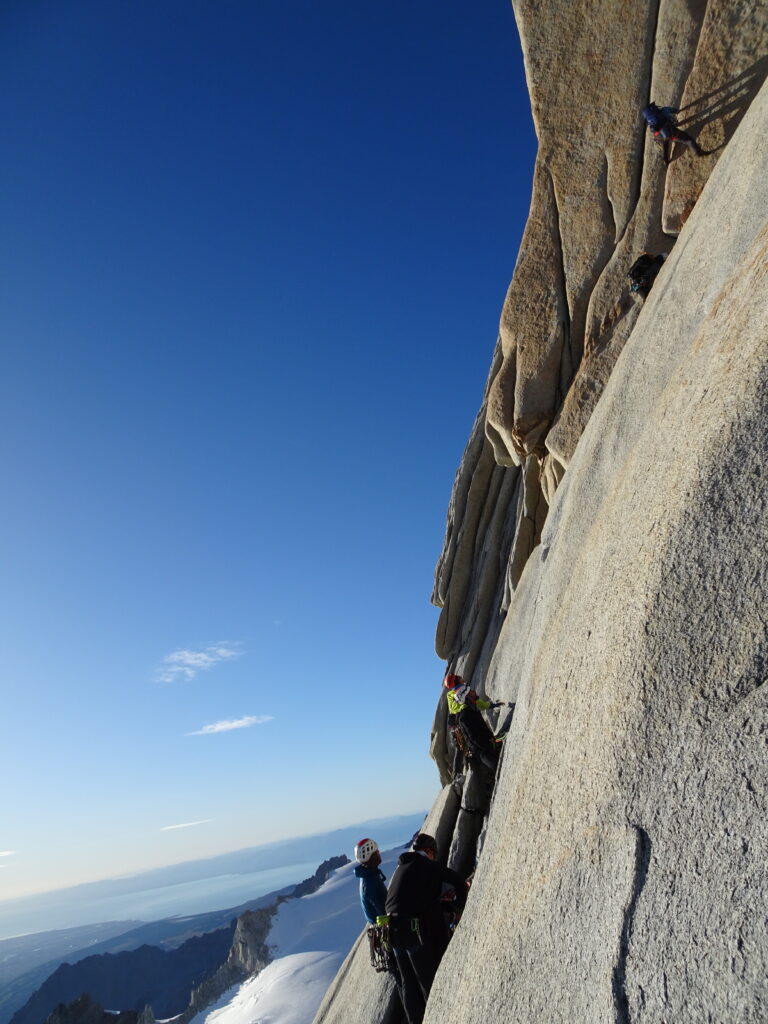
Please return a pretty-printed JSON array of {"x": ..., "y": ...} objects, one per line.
[
  {"x": 85, "y": 1010},
  {"x": 248, "y": 955},
  {"x": 132, "y": 980},
  {"x": 168, "y": 933},
  {"x": 250, "y": 952},
  {"x": 313, "y": 883}
]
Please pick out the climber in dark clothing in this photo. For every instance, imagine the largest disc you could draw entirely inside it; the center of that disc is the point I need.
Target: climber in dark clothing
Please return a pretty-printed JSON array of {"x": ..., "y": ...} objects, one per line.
[
  {"x": 464, "y": 707},
  {"x": 418, "y": 928},
  {"x": 661, "y": 122},
  {"x": 643, "y": 273}
]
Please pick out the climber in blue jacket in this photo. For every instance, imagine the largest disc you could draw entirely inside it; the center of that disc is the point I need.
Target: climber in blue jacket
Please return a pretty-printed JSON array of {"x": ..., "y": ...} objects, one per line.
[
  {"x": 661, "y": 122},
  {"x": 373, "y": 896},
  {"x": 373, "y": 889}
]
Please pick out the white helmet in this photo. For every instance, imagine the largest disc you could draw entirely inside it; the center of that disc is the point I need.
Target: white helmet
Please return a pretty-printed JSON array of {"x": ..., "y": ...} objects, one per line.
[{"x": 364, "y": 850}]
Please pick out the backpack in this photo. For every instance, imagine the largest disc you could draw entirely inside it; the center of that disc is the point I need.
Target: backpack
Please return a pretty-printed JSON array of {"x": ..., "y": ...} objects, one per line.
[
  {"x": 644, "y": 270},
  {"x": 639, "y": 270}
]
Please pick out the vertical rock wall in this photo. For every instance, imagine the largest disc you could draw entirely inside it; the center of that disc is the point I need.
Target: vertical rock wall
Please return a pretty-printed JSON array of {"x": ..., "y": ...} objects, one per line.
[
  {"x": 602, "y": 195},
  {"x": 623, "y": 872}
]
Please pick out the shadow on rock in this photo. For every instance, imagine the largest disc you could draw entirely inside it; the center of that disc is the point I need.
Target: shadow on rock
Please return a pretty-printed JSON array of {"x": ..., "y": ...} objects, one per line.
[{"x": 728, "y": 103}]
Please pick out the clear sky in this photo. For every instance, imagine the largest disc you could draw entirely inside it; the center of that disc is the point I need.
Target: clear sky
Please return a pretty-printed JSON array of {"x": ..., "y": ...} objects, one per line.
[{"x": 253, "y": 258}]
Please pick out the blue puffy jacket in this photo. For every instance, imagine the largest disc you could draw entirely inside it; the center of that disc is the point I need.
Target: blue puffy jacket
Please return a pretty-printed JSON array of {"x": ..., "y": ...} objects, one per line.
[{"x": 373, "y": 891}]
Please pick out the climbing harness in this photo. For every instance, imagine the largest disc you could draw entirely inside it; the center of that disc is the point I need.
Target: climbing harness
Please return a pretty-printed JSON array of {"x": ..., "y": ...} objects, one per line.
[
  {"x": 472, "y": 752},
  {"x": 460, "y": 739},
  {"x": 381, "y": 939}
]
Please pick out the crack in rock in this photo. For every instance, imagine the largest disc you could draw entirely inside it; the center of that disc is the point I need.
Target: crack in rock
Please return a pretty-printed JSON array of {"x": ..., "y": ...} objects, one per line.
[{"x": 619, "y": 980}]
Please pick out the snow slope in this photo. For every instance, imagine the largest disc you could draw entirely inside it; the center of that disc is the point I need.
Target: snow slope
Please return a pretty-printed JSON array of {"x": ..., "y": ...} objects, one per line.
[
  {"x": 310, "y": 938},
  {"x": 288, "y": 991}
]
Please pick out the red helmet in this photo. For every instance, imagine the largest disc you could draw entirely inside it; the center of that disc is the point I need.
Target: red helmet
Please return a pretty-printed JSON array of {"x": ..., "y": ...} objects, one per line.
[{"x": 450, "y": 681}]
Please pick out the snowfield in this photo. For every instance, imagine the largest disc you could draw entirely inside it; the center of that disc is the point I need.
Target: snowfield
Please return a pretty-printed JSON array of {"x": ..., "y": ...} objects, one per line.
[
  {"x": 310, "y": 938},
  {"x": 288, "y": 991}
]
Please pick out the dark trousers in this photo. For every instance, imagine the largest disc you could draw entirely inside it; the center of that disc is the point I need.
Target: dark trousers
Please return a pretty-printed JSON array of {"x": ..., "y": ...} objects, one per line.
[
  {"x": 418, "y": 965},
  {"x": 671, "y": 134},
  {"x": 397, "y": 977},
  {"x": 479, "y": 736}
]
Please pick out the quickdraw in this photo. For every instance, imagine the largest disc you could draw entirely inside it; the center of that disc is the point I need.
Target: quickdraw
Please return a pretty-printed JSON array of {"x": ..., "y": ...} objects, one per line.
[{"x": 380, "y": 947}]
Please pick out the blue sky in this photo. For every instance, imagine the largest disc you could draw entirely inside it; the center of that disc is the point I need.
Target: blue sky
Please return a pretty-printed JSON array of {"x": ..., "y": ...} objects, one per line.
[{"x": 253, "y": 259}]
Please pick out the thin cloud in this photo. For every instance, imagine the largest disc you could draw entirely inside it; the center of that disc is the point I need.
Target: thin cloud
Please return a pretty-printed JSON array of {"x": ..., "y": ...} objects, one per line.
[
  {"x": 230, "y": 724},
  {"x": 7, "y": 853},
  {"x": 184, "y": 664},
  {"x": 186, "y": 824}
]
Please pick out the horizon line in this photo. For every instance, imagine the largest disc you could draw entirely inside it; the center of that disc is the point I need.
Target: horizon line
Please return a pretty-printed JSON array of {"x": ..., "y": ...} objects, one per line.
[{"x": 5, "y": 901}]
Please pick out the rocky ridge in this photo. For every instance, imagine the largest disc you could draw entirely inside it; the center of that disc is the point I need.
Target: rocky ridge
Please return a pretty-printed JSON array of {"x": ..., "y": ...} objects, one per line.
[
  {"x": 132, "y": 980},
  {"x": 603, "y": 560},
  {"x": 85, "y": 1010},
  {"x": 250, "y": 952}
]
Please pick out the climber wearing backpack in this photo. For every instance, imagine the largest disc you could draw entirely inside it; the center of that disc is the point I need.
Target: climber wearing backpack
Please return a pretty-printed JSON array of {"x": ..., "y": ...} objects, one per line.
[
  {"x": 661, "y": 122},
  {"x": 417, "y": 925},
  {"x": 643, "y": 273},
  {"x": 471, "y": 731}
]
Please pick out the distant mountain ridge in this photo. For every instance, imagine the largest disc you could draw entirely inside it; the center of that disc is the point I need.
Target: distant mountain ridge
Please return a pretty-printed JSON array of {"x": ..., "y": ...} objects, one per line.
[
  {"x": 167, "y": 934},
  {"x": 132, "y": 980},
  {"x": 86, "y": 1011},
  {"x": 170, "y": 982},
  {"x": 24, "y": 952}
]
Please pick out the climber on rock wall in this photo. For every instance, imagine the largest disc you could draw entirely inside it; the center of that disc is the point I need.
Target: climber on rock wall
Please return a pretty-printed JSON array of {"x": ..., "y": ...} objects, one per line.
[
  {"x": 661, "y": 122},
  {"x": 643, "y": 273},
  {"x": 373, "y": 888},
  {"x": 373, "y": 897},
  {"x": 464, "y": 707},
  {"x": 418, "y": 928}
]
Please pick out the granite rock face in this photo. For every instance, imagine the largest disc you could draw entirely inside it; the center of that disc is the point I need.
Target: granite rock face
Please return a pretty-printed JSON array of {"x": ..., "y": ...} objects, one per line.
[
  {"x": 358, "y": 993},
  {"x": 730, "y": 65},
  {"x": 248, "y": 955},
  {"x": 604, "y": 566},
  {"x": 602, "y": 195},
  {"x": 622, "y": 876}
]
